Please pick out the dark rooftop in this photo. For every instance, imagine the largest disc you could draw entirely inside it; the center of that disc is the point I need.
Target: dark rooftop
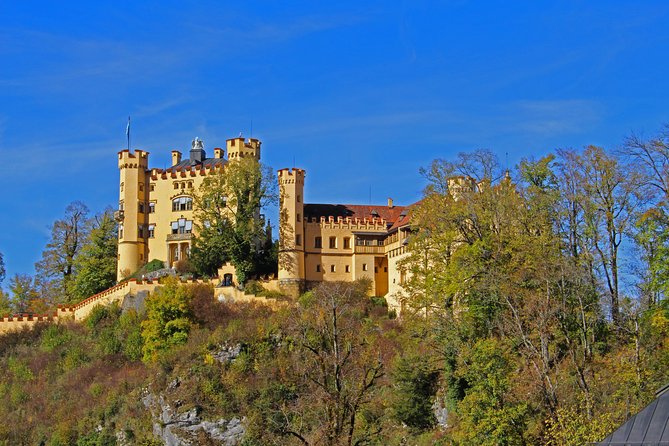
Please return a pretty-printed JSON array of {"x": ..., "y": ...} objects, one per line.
[{"x": 648, "y": 427}]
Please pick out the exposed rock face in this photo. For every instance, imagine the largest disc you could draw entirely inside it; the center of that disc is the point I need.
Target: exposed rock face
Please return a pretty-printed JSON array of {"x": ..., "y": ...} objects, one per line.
[
  {"x": 182, "y": 429},
  {"x": 440, "y": 412},
  {"x": 227, "y": 353}
]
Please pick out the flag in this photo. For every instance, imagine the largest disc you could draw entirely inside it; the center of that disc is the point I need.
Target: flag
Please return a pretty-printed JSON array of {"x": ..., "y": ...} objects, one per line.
[{"x": 127, "y": 132}]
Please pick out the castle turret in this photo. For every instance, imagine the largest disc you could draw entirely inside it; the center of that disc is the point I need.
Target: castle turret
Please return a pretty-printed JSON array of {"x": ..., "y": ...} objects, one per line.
[
  {"x": 291, "y": 231},
  {"x": 240, "y": 148},
  {"x": 133, "y": 210},
  {"x": 458, "y": 186}
]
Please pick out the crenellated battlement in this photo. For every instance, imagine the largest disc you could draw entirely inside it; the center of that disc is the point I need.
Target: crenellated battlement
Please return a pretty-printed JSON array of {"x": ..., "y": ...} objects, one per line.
[
  {"x": 187, "y": 171},
  {"x": 354, "y": 224},
  {"x": 294, "y": 176},
  {"x": 240, "y": 147},
  {"x": 137, "y": 160}
]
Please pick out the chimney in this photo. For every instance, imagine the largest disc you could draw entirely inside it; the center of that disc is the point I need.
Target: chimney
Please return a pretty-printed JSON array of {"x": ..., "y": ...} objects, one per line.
[
  {"x": 218, "y": 153},
  {"x": 390, "y": 202},
  {"x": 176, "y": 157}
]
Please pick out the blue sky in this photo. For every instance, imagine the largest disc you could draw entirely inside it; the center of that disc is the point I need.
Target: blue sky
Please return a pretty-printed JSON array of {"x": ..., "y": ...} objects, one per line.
[{"x": 361, "y": 94}]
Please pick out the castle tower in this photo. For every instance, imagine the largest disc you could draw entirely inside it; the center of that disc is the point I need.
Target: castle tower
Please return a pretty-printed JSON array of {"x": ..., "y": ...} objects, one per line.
[
  {"x": 133, "y": 211},
  {"x": 240, "y": 148},
  {"x": 459, "y": 186},
  {"x": 291, "y": 231}
]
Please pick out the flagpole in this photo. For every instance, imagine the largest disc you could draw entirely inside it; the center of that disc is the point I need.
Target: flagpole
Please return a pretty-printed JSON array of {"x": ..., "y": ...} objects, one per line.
[{"x": 127, "y": 133}]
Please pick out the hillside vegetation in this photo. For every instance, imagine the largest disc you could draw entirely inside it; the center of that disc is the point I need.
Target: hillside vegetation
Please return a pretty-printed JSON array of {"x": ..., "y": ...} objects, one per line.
[{"x": 535, "y": 312}]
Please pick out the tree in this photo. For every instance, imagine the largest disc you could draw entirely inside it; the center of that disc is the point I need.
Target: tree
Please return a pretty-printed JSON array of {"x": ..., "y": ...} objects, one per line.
[
  {"x": 336, "y": 365},
  {"x": 415, "y": 381},
  {"x": 23, "y": 292},
  {"x": 57, "y": 268},
  {"x": 96, "y": 262},
  {"x": 168, "y": 318},
  {"x": 489, "y": 415},
  {"x": 228, "y": 206},
  {"x": 2, "y": 268},
  {"x": 610, "y": 197}
]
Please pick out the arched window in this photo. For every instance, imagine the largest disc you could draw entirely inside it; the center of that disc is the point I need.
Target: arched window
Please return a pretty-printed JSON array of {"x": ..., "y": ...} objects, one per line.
[{"x": 182, "y": 204}]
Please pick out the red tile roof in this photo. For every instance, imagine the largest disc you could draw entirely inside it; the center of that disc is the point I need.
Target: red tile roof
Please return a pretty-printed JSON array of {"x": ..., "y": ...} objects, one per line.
[{"x": 395, "y": 216}]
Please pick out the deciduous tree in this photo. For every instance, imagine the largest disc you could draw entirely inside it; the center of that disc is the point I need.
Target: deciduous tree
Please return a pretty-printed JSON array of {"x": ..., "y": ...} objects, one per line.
[
  {"x": 228, "y": 206},
  {"x": 68, "y": 235}
]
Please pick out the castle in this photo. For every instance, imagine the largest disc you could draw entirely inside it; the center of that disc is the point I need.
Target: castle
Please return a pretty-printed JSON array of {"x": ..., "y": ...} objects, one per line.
[
  {"x": 155, "y": 210},
  {"x": 324, "y": 242},
  {"x": 318, "y": 242}
]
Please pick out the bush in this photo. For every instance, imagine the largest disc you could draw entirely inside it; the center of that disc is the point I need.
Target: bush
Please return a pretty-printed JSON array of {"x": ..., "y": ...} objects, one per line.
[
  {"x": 254, "y": 287},
  {"x": 168, "y": 318},
  {"x": 153, "y": 265}
]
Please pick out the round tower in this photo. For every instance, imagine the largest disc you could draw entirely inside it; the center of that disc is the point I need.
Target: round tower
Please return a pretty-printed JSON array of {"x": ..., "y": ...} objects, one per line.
[
  {"x": 132, "y": 213},
  {"x": 291, "y": 231}
]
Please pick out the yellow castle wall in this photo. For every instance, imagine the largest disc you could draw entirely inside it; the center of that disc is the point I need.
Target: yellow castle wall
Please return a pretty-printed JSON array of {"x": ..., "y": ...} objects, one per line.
[{"x": 140, "y": 188}]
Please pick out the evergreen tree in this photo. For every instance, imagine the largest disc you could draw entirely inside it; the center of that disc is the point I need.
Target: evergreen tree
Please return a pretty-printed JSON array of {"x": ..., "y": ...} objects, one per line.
[{"x": 96, "y": 262}]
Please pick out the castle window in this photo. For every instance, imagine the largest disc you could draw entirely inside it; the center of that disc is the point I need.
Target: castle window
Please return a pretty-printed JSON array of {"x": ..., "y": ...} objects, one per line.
[
  {"x": 318, "y": 242},
  {"x": 364, "y": 267},
  {"x": 152, "y": 208},
  {"x": 332, "y": 268},
  {"x": 385, "y": 269},
  {"x": 182, "y": 204},
  {"x": 120, "y": 205},
  {"x": 347, "y": 242},
  {"x": 318, "y": 268},
  {"x": 190, "y": 185},
  {"x": 298, "y": 240},
  {"x": 299, "y": 218},
  {"x": 152, "y": 187},
  {"x": 182, "y": 226},
  {"x": 299, "y": 199},
  {"x": 176, "y": 185},
  {"x": 121, "y": 186},
  {"x": 183, "y": 185},
  {"x": 376, "y": 269},
  {"x": 152, "y": 230},
  {"x": 348, "y": 269},
  {"x": 120, "y": 231},
  {"x": 140, "y": 231},
  {"x": 333, "y": 242},
  {"x": 141, "y": 187},
  {"x": 140, "y": 207}
]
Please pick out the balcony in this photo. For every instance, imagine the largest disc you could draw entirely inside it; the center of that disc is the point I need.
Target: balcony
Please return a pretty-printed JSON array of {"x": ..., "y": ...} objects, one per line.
[
  {"x": 364, "y": 249},
  {"x": 178, "y": 237},
  {"x": 118, "y": 215}
]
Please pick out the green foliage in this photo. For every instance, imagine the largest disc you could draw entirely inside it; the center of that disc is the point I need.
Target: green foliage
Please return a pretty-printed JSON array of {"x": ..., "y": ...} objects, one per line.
[
  {"x": 415, "y": 382},
  {"x": 254, "y": 287},
  {"x": 229, "y": 202},
  {"x": 168, "y": 318},
  {"x": 96, "y": 262},
  {"x": 487, "y": 415},
  {"x": 23, "y": 293},
  {"x": 153, "y": 265}
]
